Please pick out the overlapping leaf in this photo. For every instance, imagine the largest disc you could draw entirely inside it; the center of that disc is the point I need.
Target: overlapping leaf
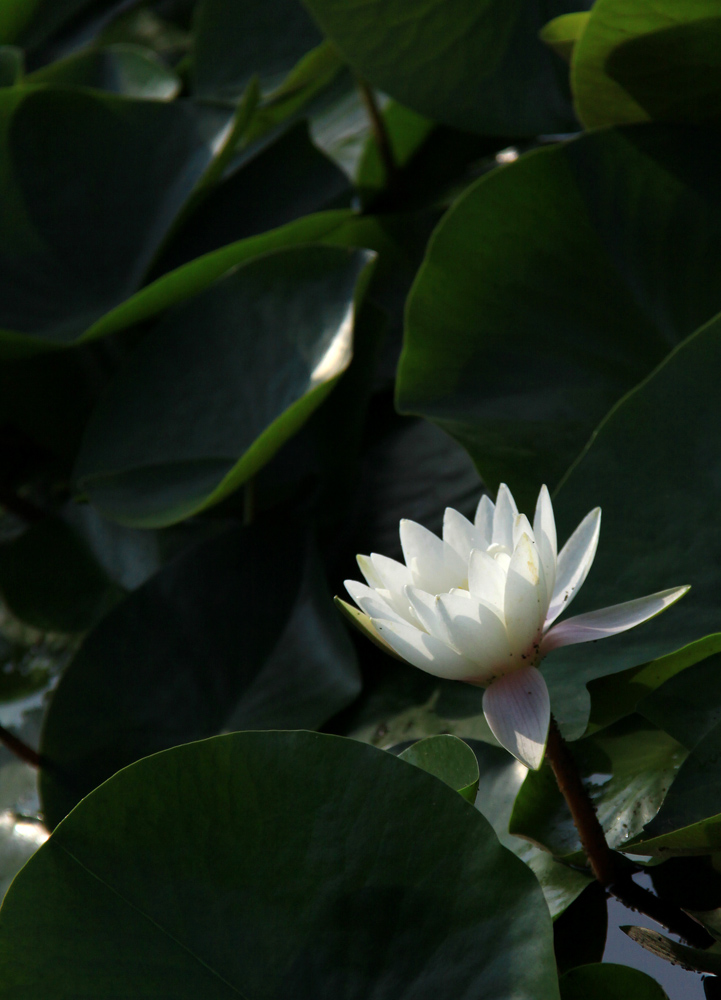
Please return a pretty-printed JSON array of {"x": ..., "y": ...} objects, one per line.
[
  {"x": 553, "y": 286},
  {"x": 271, "y": 883}
]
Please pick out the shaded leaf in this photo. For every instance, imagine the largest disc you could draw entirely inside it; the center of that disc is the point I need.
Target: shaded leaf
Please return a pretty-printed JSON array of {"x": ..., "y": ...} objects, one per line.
[
  {"x": 539, "y": 303},
  {"x": 609, "y": 982},
  {"x": 479, "y": 67},
  {"x": 171, "y": 662},
  {"x": 667, "y": 51},
  {"x": 693, "y": 959},
  {"x": 277, "y": 333},
  {"x": 272, "y": 884},
  {"x": 119, "y": 69},
  {"x": 562, "y": 33}
]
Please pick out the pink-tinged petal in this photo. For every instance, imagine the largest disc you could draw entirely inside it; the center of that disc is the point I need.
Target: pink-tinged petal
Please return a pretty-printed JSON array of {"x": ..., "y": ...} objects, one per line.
[
  {"x": 503, "y": 517},
  {"x": 478, "y": 633},
  {"x": 524, "y": 602},
  {"x": 460, "y": 534},
  {"x": 518, "y": 710},
  {"x": 372, "y": 602},
  {"x": 426, "y": 610},
  {"x": 484, "y": 519},
  {"x": 544, "y": 530},
  {"x": 365, "y": 565},
  {"x": 434, "y": 566},
  {"x": 424, "y": 651},
  {"x": 609, "y": 621},
  {"x": 486, "y": 579},
  {"x": 574, "y": 562},
  {"x": 394, "y": 575}
]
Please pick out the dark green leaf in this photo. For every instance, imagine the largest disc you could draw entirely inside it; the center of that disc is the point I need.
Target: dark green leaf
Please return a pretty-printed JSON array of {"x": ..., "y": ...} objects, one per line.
[
  {"x": 119, "y": 69},
  {"x": 638, "y": 60},
  {"x": 11, "y": 65},
  {"x": 480, "y": 67},
  {"x": 689, "y": 821},
  {"x": 234, "y": 41},
  {"x": 81, "y": 224},
  {"x": 28, "y": 23},
  {"x": 447, "y": 758},
  {"x": 540, "y": 301},
  {"x": 609, "y": 982},
  {"x": 49, "y": 579},
  {"x": 311, "y": 674},
  {"x": 277, "y": 333},
  {"x": 171, "y": 663},
  {"x": 218, "y": 869},
  {"x": 627, "y": 770},
  {"x": 688, "y": 706},
  {"x": 667, "y": 431}
]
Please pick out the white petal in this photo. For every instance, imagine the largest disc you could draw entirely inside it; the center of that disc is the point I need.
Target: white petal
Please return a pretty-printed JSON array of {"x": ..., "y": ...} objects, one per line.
[
  {"x": 434, "y": 566},
  {"x": 544, "y": 530},
  {"x": 518, "y": 710},
  {"x": 460, "y": 534},
  {"x": 486, "y": 578},
  {"x": 369, "y": 572},
  {"x": 609, "y": 621},
  {"x": 426, "y": 610},
  {"x": 424, "y": 651},
  {"x": 574, "y": 562},
  {"x": 393, "y": 575},
  {"x": 521, "y": 526},
  {"x": 503, "y": 517},
  {"x": 371, "y": 601},
  {"x": 484, "y": 519},
  {"x": 478, "y": 633},
  {"x": 524, "y": 603}
]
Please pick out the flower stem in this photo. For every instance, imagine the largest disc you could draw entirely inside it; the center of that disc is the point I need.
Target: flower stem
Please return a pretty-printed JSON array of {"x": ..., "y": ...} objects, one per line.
[
  {"x": 380, "y": 133},
  {"x": 20, "y": 749},
  {"x": 600, "y": 856},
  {"x": 593, "y": 839}
]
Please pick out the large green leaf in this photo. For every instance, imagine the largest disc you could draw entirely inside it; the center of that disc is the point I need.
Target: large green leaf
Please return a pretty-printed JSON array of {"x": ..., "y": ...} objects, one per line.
[
  {"x": 553, "y": 286},
  {"x": 49, "y": 579},
  {"x": 172, "y": 661},
  {"x": 30, "y": 22},
  {"x": 651, "y": 467},
  {"x": 119, "y": 69},
  {"x": 190, "y": 418},
  {"x": 627, "y": 770},
  {"x": 609, "y": 982},
  {"x": 641, "y": 59},
  {"x": 480, "y": 67},
  {"x": 234, "y": 41},
  {"x": 82, "y": 223},
  {"x": 370, "y": 880}
]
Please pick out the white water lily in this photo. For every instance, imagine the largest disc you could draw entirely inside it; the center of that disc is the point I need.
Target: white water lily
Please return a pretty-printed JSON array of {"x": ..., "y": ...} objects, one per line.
[{"x": 479, "y": 606}]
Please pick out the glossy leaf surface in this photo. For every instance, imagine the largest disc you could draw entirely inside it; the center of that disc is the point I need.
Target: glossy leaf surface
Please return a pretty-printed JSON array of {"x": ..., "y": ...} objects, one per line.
[
  {"x": 277, "y": 333},
  {"x": 272, "y": 883}
]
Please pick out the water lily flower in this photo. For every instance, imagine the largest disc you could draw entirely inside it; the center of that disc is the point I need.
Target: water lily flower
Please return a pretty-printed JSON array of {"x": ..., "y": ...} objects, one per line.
[{"x": 480, "y": 605}]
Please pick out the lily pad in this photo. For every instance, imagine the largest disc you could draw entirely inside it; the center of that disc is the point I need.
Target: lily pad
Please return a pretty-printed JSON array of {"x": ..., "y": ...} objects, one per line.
[
  {"x": 447, "y": 758},
  {"x": 539, "y": 303},
  {"x": 277, "y": 334},
  {"x": 273, "y": 885},
  {"x": 480, "y": 67},
  {"x": 608, "y": 981},
  {"x": 638, "y": 60}
]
